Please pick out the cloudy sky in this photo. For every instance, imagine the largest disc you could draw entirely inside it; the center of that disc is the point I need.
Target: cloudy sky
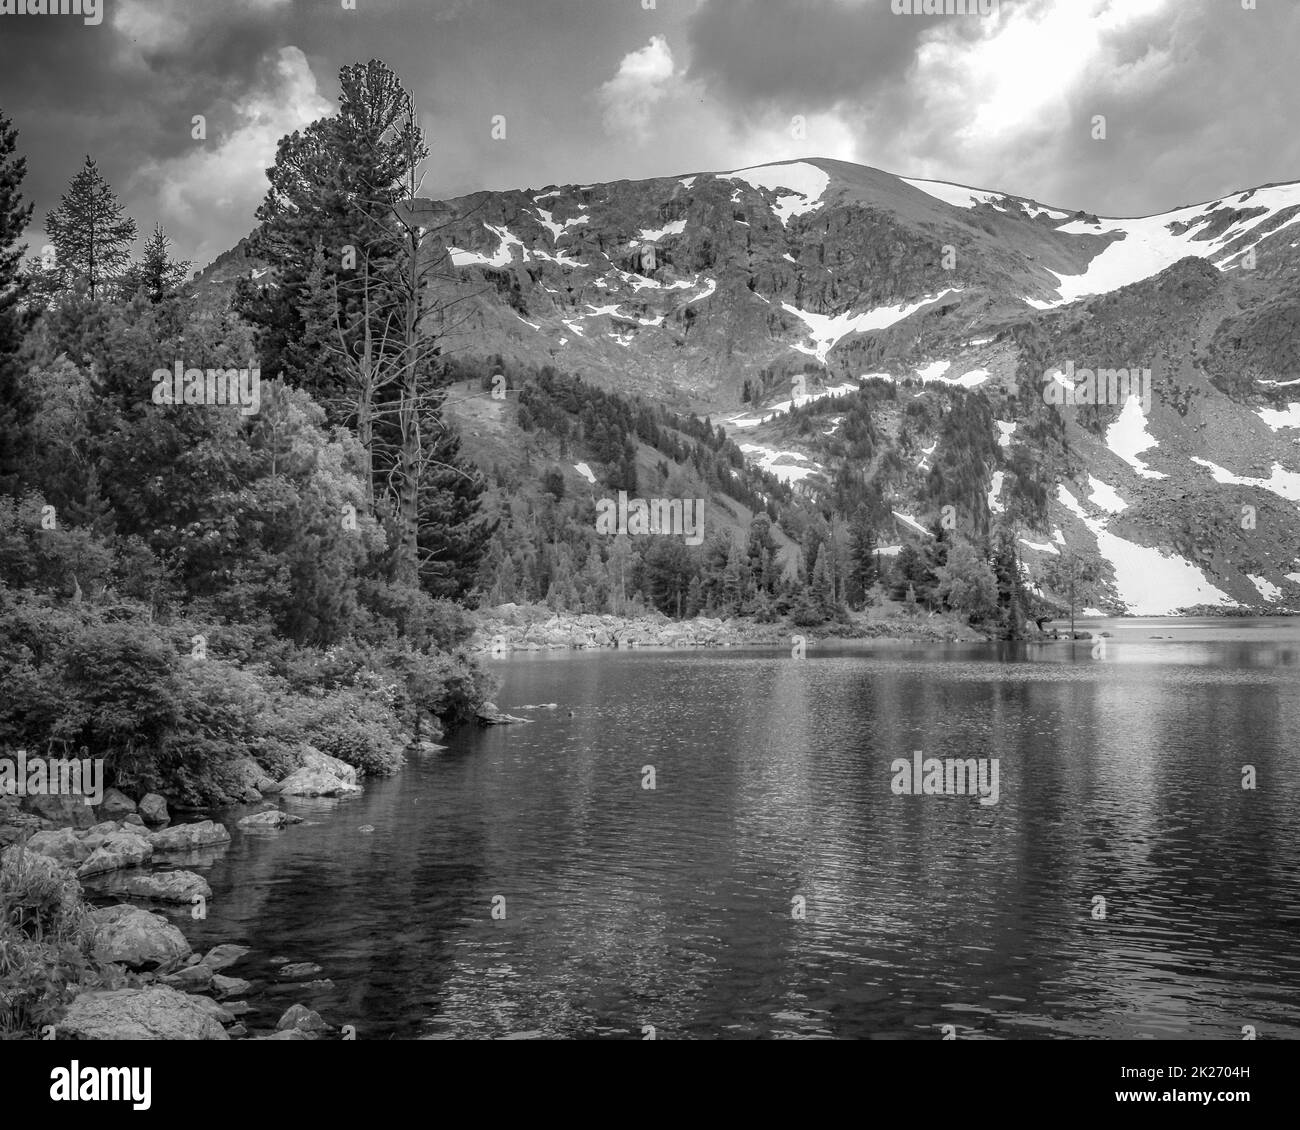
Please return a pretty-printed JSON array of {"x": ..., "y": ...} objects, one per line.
[{"x": 1198, "y": 95}]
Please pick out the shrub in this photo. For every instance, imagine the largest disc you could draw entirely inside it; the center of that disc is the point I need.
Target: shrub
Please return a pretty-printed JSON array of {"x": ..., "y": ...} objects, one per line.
[{"x": 45, "y": 941}]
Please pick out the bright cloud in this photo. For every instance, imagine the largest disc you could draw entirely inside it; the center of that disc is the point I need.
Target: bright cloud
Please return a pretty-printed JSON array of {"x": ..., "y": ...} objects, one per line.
[
  {"x": 644, "y": 79},
  {"x": 227, "y": 173}
]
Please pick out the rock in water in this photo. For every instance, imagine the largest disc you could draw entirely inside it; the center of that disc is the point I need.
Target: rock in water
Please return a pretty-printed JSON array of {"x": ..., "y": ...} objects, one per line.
[
  {"x": 311, "y": 782},
  {"x": 229, "y": 986},
  {"x": 169, "y": 886},
  {"x": 154, "y": 809},
  {"x": 135, "y": 938},
  {"x": 300, "y": 969},
  {"x": 222, "y": 957},
  {"x": 114, "y": 851},
  {"x": 272, "y": 818},
  {"x": 155, "y": 1013},
  {"x": 191, "y": 979},
  {"x": 302, "y": 1019},
  {"x": 187, "y": 837},
  {"x": 314, "y": 759},
  {"x": 489, "y": 715}
]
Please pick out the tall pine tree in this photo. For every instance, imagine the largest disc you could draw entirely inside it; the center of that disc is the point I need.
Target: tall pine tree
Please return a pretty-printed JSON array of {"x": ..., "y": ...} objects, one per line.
[
  {"x": 91, "y": 236},
  {"x": 15, "y": 407}
]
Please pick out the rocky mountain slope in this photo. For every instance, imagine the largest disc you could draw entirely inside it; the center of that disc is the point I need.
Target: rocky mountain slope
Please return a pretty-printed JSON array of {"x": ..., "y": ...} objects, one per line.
[{"x": 746, "y": 294}]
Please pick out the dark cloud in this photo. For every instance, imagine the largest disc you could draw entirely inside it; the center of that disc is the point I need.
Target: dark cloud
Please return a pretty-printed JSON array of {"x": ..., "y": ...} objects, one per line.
[
  {"x": 1197, "y": 94},
  {"x": 815, "y": 54}
]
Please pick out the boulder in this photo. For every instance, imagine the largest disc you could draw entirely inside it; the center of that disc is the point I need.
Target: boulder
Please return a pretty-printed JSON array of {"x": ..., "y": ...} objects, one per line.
[
  {"x": 229, "y": 986},
  {"x": 62, "y": 844},
  {"x": 287, "y": 1034},
  {"x": 314, "y": 759},
  {"x": 116, "y": 804},
  {"x": 133, "y": 819},
  {"x": 155, "y": 1013},
  {"x": 302, "y": 1019},
  {"x": 114, "y": 852},
  {"x": 191, "y": 979},
  {"x": 489, "y": 715},
  {"x": 222, "y": 957},
  {"x": 135, "y": 938},
  {"x": 272, "y": 818},
  {"x": 61, "y": 811},
  {"x": 168, "y": 886},
  {"x": 310, "y": 782},
  {"x": 299, "y": 969},
  {"x": 154, "y": 809},
  {"x": 188, "y": 837}
]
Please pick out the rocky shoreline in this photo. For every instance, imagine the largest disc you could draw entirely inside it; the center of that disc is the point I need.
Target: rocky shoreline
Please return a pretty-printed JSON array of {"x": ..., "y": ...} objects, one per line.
[
  {"x": 143, "y": 980},
  {"x": 514, "y": 627}
]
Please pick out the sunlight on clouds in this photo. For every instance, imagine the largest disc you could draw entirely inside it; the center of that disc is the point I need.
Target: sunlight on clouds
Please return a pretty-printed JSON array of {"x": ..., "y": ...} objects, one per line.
[
  {"x": 643, "y": 80},
  {"x": 228, "y": 173},
  {"x": 1023, "y": 79},
  {"x": 649, "y": 97},
  {"x": 154, "y": 25}
]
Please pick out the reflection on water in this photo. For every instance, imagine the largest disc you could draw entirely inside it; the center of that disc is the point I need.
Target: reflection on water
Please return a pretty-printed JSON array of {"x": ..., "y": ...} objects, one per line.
[{"x": 673, "y": 907}]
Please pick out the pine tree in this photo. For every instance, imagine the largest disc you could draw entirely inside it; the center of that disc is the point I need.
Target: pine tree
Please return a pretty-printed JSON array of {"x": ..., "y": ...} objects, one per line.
[
  {"x": 16, "y": 408},
  {"x": 863, "y": 572},
  {"x": 156, "y": 274},
  {"x": 91, "y": 237}
]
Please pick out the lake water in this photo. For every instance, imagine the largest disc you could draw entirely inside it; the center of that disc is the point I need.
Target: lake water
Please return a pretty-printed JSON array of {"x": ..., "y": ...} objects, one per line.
[{"x": 1120, "y": 778}]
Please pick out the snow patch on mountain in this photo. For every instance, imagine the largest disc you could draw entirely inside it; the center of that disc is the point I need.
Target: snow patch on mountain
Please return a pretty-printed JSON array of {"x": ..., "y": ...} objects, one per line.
[
  {"x": 781, "y": 407},
  {"x": 1041, "y": 547},
  {"x": 653, "y": 235},
  {"x": 920, "y": 529},
  {"x": 1278, "y": 420},
  {"x": 800, "y": 186},
  {"x": 1283, "y": 483},
  {"x": 1128, "y": 437},
  {"x": 547, "y": 221},
  {"x": 995, "y": 493},
  {"x": 503, "y": 256},
  {"x": 974, "y": 378},
  {"x": 1105, "y": 497},
  {"x": 1267, "y": 589},
  {"x": 779, "y": 463},
  {"x": 1149, "y": 581},
  {"x": 1151, "y": 245},
  {"x": 828, "y": 330}
]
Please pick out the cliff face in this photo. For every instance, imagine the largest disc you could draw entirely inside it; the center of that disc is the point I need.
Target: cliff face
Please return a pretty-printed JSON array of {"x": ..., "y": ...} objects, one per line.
[{"x": 732, "y": 294}]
